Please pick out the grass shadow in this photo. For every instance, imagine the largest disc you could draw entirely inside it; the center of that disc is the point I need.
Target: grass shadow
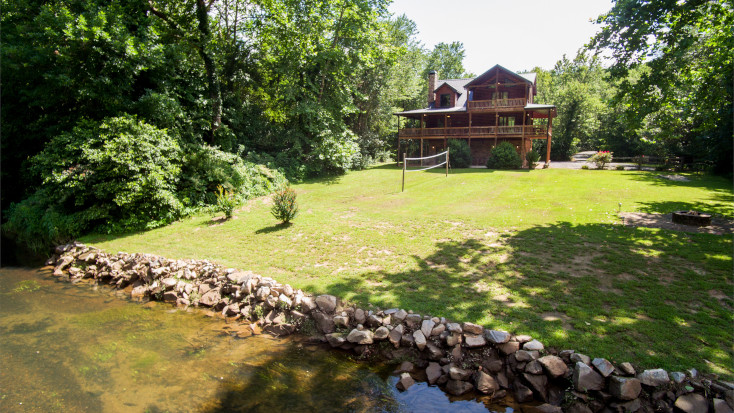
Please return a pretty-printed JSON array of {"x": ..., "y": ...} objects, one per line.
[
  {"x": 606, "y": 290},
  {"x": 721, "y": 209},
  {"x": 274, "y": 228}
]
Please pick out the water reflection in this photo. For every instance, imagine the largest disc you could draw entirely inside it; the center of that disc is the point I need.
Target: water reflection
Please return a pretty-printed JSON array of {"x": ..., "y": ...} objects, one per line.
[{"x": 80, "y": 348}]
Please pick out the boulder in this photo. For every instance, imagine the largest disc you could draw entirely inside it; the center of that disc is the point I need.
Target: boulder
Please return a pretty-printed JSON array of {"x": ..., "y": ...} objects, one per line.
[
  {"x": 405, "y": 367},
  {"x": 400, "y": 315},
  {"x": 335, "y": 339},
  {"x": 170, "y": 296},
  {"x": 524, "y": 356},
  {"x": 458, "y": 387},
  {"x": 360, "y": 336},
  {"x": 261, "y": 295},
  {"x": 677, "y": 377},
  {"x": 427, "y": 327},
  {"x": 486, "y": 383},
  {"x": 374, "y": 321},
  {"x": 434, "y": 353},
  {"x": 578, "y": 357},
  {"x": 509, "y": 348},
  {"x": 654, "y": 377},
  {"x": 534, "y": 367},
  {"x": 533, "y": 345},
  {"x": 692, "y": 403},
  {"x": 585, "y": 378},
  {"x": 433, "y": 372},
  {"x": 211, "y": 298},
  {"x": 554, "y": 366},
  {"x": 324, "y": 323},
  {"x": 624, "y": 388},
  {"x": 497, "y": 337},
  {"x": 359, "y": 316},
  {"x": 453, "y": 339},
  {"x": 539, "y": 384},
  {"x": 720, "y": 406},
  {"x": 381, "y": 333},
  {"x": 603, "y": 366},
  {"x": 405, "y": 382},
  {"x": 627, "y": 369},
  {"x": 579, "y": 408},
  {"x": 549, "y": 408},
  {"x": 458, "y": 373},
  {"x": 280, "y": 329},
  {"x": 419, "y": 339},
  {"x": 438, "y": 330},
  {"x": 454, "y": 327},
  {"x": 522, "y": 393},
  {"x": 413, "y": 321},
  {"x": 396, "y": 335},
  {"x": 472, "y": 328},
  {"x": 474, "y": 341},
  {"x": 341, "y": 321},
  {"x": 326, "y": 303}
]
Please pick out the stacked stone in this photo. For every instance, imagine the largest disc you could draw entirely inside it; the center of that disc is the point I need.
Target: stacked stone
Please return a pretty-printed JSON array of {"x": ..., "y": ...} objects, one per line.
[{"x": 459, "y": 357}]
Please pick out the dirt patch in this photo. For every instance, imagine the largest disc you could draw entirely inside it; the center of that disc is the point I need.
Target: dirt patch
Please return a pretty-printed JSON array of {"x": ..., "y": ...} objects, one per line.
[{"x": 719, "y": 226}]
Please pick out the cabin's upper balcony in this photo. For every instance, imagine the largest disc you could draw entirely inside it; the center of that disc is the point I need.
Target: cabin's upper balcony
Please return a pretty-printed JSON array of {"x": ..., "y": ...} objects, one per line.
[
  {"x": 529, "y": 131},
  {"x": 496, "y": 104}
]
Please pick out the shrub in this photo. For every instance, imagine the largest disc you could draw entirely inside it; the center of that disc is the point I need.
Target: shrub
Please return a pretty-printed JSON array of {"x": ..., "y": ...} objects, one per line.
[
  {"x": 620, "y": 167},
  {"x": 584, "y": 166},
  {"x": 226, "y": 202},
  {"x": 116, "y": 174},
  {"x": 639, "y": 160},
  {"x": 504, "y": 156},
  {"x": 601, "y": 158},
  {"x": 206, "y": 168},
  {"x": 532, "y": 157},
  {"x": 285, "y": 207},
  {"x": 459, "y": 153}
]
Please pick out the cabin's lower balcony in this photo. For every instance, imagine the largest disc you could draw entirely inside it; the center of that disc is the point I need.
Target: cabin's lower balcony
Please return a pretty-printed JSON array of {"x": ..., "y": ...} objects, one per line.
[
  {"x": 529, "y": 131},
  {"x": 496, "y": 104}
]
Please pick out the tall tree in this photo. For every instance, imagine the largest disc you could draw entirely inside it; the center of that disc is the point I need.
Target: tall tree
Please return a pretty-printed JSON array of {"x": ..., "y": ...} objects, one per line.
[
  {"x": 685, "y": 92},
  {"x": 448, "y": 60}
]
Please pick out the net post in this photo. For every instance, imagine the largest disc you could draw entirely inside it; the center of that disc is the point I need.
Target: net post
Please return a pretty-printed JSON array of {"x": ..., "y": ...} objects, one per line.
[
  {"x": 447, "y": 161},
  {"x": 403, "y": 188}
]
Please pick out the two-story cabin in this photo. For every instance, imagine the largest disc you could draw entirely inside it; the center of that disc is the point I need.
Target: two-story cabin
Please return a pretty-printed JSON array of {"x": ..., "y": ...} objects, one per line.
[{"x": 494, "y": 107}]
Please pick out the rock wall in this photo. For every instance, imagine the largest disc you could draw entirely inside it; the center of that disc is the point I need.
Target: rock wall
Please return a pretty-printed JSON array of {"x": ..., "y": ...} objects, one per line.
[{"x": 460, "y": 357}]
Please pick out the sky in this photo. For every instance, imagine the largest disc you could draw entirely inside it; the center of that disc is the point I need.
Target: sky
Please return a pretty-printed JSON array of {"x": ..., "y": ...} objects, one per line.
[{"x": 517, "y": 34}]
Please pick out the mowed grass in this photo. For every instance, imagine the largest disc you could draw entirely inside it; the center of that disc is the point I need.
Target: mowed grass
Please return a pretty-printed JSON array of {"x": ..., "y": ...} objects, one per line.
[{"x": 540, "y": 253}]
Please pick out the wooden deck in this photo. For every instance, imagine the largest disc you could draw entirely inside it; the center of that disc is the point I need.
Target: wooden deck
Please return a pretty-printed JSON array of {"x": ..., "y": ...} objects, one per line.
[
  {"x": 496, "y": 104},
  {"x": 531, "y": 131}
]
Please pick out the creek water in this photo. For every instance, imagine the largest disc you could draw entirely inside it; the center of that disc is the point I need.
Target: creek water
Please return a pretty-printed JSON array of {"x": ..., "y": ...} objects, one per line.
[{"x": 86, "y": 348}]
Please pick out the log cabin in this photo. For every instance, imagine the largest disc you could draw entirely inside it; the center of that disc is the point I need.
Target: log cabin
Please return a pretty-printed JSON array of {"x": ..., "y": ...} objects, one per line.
[{"x": 496, "y": 106}]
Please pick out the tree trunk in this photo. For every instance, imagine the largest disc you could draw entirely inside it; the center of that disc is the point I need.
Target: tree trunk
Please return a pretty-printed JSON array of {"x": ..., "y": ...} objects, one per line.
[{"x": 215, "y": 93}]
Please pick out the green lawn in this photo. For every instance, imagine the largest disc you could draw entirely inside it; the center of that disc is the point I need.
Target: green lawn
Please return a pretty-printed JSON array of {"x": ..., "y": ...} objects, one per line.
[{"x": 533, "y": 252}]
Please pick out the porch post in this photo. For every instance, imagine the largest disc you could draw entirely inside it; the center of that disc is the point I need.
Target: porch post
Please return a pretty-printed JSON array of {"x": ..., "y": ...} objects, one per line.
[
  {"x": 523, "y": 150},
  {"x": 398, "y": 153},
  {"x": 422, "y": 151},
  {"x": 548, "y": 138}
]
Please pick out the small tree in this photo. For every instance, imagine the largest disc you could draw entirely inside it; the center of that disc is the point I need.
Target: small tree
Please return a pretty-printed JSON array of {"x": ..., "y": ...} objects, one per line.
[
  {"x": 459, "y": 153},
  {"x": 532, "y": 157},
  {"x": 504, "y": 156},
  {"x": 601, "y": 158},
  {"x": 285, "y": 207},
  {"x": 226, "y": 201}
]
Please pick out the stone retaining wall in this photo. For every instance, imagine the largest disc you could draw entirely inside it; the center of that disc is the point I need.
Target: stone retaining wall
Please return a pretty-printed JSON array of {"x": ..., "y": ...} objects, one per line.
[{"x": 460, "y": 357}]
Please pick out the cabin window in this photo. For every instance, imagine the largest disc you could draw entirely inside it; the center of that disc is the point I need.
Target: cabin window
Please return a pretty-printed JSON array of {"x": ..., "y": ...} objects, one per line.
[
  {"x": 507, "y": 121},
  {"x": 500, "y": 95},
  {"x": 445, "y": 100}
]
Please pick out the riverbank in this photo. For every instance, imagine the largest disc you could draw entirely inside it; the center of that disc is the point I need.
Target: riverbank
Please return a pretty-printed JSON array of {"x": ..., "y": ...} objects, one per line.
[{"x": 463, "y": 357}]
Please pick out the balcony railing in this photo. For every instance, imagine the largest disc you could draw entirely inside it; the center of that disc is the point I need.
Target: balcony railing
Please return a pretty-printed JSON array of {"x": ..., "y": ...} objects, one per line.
[
  {"x": 496, "y": 103},
  {"x": 474, "y": 131}
]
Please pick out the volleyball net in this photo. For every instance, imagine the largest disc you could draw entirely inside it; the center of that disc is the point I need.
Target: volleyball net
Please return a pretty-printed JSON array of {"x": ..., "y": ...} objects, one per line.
[{"x": 425, "y": 163}]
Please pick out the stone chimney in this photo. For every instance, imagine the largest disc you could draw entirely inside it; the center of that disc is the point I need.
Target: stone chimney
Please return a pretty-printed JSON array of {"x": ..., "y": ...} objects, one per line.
[{"x": 431, "y": 87}]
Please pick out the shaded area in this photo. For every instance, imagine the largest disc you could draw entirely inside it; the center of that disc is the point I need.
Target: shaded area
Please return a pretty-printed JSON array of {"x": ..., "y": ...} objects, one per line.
[
  {"x": 625, "y": 293},
  {"x": 273, "y": 228}
]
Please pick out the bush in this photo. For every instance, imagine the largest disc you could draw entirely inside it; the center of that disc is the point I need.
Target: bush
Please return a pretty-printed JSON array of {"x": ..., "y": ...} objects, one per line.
[
  {"x": 459, "y": 153},
  {"x": 206, "y": 168},
  {"x": 584, "y": 166},
  {"x": 601, "y": 158},
  {"x": 116, "y": 174},
  {"x": 504, "y": 156},
  {"x": 226, "y": 202},
  {"x": 285, "y": 207},
  {"x": 532, "y": 157},
  {"x": 620, "y": 167},
  {"x": 639, "y": 160}
]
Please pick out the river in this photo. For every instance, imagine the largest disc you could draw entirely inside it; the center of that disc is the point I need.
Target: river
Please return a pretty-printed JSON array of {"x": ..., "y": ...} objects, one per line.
[{"x": 87, "y": 348}]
